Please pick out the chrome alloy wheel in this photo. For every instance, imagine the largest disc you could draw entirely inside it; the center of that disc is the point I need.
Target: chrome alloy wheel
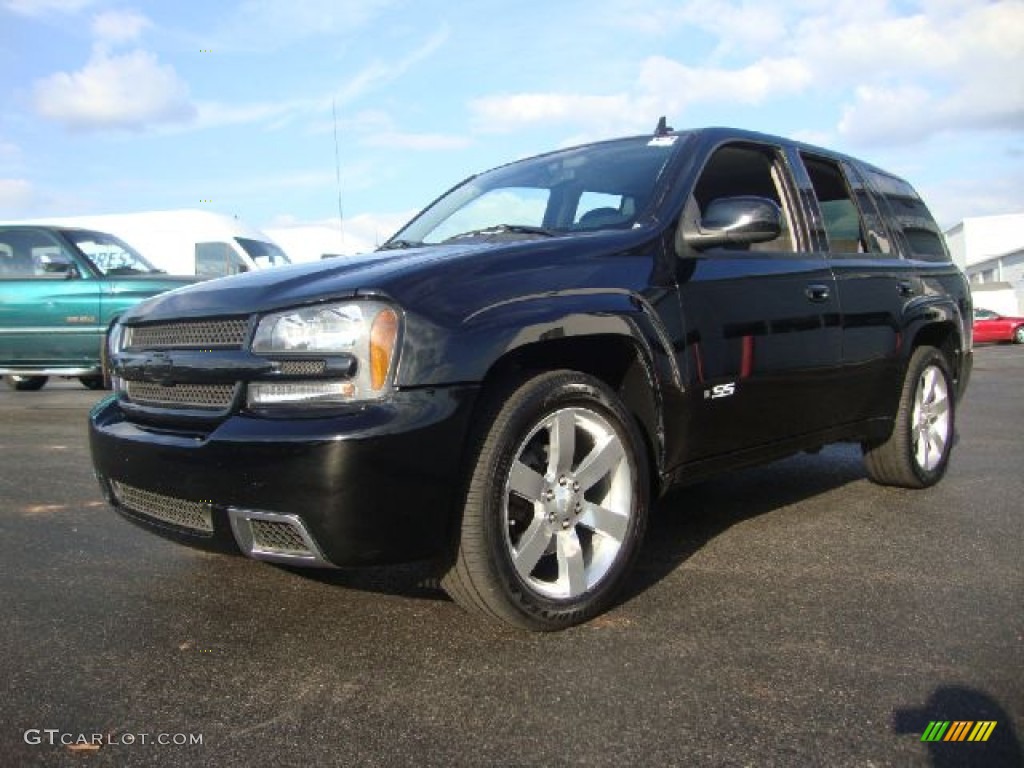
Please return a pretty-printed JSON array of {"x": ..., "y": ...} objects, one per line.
[
  {"x": 567, "y": 503},
  {"x": 931, "y": 418}
]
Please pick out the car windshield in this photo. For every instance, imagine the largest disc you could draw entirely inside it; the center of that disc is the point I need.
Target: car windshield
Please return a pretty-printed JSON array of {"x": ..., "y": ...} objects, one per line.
[
  {"x": 108, "y": 254},
  {"x": 263, "y": 253},
  {"x": 595, "y": 187}
]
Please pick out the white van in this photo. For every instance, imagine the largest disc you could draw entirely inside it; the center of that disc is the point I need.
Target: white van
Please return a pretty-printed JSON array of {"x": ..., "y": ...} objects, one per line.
[{"x": 187, "y": 242}]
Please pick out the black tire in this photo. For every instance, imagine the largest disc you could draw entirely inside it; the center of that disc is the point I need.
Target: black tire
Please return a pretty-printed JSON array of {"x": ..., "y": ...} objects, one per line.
[
  {"x": 559, "y": 485},
  {"x": 1018, "y": 334},
  {"x": 917, "y": 452},
  {"x": 26, "y": 383},
  {"x": 93, "y": 382}
]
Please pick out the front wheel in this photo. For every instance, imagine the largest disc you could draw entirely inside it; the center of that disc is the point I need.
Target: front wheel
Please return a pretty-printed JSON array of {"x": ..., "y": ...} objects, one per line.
[
  {"x": 1018, "y": 335},
  {"x": 26, "y": 383},
  {"x": 916, "y": 454},
  {"x": 556, "y": 505}
]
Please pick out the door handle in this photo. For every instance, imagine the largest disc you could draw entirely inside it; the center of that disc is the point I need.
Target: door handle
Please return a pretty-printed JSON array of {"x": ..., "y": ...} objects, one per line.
[
  {"x": 905, "y": 288},
  {"x": 817, "y": 293}
]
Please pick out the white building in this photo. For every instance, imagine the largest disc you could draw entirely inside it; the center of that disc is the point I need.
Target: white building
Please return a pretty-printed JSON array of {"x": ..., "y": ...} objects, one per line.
[{"x": 990, "y": 249}]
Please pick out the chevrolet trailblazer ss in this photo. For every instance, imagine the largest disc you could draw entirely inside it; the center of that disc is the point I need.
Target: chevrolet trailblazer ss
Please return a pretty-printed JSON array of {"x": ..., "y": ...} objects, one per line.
[{"x": 510, "y": 381}]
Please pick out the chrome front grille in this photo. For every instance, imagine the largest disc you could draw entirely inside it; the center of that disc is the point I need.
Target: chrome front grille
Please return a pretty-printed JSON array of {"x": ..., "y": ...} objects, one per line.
[
  {"x": 212, "y": 397},
  {"x": 222, "y": 334},
  {"x": 194, "y": 515}
]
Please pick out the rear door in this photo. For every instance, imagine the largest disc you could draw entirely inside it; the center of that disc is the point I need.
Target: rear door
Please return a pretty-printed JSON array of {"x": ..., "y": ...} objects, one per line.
[
  {"x": 875, "y": 283},
  {"x": 49, "y": 302}
]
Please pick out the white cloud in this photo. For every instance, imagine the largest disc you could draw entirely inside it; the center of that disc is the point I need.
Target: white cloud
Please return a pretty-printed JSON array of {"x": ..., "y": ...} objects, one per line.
[
  {"x": 40, "y": 7},
  {"x": 416, "y": 141},
  {"x": 662, "y": 86},
  {"x": 8, "y": 150},
  {"x": 116, "y": 27},
  {"x": 361, "y": 233},
  {"x": 125, "y": 91},
  {"x": 262, "y": 25},
  {"x": 899, "y": 76},
  {"x": 953, "y": 200},
  {"x": 16, "y": 195}
]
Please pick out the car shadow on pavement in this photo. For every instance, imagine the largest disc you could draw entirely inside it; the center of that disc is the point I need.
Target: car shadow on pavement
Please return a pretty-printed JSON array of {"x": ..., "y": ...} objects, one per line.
[
  {"x": 688, "y": 518},
  {"x": 680, "y": 524}
]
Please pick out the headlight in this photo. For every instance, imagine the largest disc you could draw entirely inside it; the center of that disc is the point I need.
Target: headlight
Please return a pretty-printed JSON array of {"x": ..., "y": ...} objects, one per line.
[{"x": 365, "y": 331}]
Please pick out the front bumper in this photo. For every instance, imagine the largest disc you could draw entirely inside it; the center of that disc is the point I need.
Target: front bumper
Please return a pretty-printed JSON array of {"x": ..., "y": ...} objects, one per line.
[{"x": 377, "y": 484}]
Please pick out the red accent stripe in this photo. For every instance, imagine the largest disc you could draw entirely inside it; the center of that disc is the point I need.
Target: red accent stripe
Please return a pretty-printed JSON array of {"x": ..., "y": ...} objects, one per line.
[{"x": 747, "y": 361}]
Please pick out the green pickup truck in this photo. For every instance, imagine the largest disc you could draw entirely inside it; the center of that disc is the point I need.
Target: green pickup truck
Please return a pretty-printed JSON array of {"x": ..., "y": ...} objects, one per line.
[{"x": 60, "y": 291}]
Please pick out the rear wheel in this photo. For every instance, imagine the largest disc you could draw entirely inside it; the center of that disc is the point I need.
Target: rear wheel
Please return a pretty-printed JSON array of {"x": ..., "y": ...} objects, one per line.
[
  {"x": 556, "y": 505},
  {"x": 26, "y": 383},
  {"x": 916, "y": 454},
  {"x": 1018, "y": 335}
]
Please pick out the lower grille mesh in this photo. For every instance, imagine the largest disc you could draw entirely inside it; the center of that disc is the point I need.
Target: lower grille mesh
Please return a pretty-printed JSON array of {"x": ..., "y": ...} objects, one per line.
[
  {"x": 278, "y": 537},
  {"x": 215, "y": 397},
  {"x": 186, "y": 514}
]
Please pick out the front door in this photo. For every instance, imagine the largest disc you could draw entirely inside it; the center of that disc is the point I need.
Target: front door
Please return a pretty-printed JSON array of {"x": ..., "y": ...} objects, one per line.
[
  {"x": 762, "y": 325},
  {"x": 49, "y": 302}
]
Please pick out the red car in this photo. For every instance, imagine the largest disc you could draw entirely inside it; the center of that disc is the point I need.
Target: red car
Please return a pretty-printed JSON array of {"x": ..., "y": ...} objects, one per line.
[{"x": 988, "y": 326}]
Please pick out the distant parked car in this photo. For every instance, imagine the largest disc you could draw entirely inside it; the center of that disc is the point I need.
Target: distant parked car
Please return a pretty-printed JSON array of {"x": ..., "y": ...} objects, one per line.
[
  {"x": 60, "y": 290},
  {"x": 989, "y": 326}
]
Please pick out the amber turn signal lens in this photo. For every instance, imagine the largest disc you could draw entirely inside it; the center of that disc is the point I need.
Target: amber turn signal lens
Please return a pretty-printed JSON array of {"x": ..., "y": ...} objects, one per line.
[{"x": 383, "y": 335}]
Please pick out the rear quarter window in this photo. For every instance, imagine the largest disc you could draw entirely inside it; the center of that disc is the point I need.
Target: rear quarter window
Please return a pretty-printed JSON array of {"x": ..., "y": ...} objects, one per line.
[{"x": 912, "y": 221}]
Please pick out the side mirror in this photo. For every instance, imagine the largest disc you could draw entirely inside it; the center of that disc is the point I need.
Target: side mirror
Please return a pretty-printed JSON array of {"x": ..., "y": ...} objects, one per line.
[{"x": 735, "y": 221}]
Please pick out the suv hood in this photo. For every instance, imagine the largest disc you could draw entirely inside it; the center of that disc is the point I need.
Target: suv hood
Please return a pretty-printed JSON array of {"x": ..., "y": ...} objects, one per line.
[{"x": 400, "y": 275}]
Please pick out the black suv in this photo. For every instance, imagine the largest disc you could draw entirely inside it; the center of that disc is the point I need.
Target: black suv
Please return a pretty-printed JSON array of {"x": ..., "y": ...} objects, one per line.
[{"x": 507, "y": 383}]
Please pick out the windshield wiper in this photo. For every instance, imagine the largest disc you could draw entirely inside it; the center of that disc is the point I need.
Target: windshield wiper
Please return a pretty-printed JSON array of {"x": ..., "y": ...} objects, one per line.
[
  {"x": 394, "y": 245},
  {"x": 500, "y": 229}
]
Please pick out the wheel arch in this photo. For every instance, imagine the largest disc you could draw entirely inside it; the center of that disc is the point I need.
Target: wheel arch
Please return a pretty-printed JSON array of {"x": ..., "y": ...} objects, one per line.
[
  {"x": 619, "y": 361},
  {"x": 941, "y": 327}
]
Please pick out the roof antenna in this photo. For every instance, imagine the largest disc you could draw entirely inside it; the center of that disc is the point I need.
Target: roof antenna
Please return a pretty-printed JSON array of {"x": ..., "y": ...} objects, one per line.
[
  {"x": 337, "y": 174},
  {"x": 663, "y": 128}
]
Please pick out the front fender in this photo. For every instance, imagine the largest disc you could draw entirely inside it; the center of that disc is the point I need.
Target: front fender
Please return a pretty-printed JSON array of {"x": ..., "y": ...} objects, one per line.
[{"x": 435, "y": 356}]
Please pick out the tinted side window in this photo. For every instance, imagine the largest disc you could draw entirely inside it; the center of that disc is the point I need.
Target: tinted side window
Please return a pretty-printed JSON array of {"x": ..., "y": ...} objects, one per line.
[
  {"x": 741, "y": 170},
  {"x": 913, "y": 224},
  {"x": 841, "y": 218}
]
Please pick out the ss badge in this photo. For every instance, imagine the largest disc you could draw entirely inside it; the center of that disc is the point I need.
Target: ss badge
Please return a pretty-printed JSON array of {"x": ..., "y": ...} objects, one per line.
[{"x": 720, "y": 390}]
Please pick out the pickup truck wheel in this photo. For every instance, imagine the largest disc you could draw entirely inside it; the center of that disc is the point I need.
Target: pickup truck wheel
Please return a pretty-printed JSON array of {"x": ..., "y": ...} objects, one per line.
[
  {"x": 916, "y": 454},
  {"x": 93, "y": 382},
  {"x": 26, "y": 383},
  {"x": 556, "y": 505}
]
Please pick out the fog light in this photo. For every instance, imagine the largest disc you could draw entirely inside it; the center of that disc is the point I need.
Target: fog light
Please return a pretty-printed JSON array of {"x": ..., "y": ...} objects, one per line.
[{"x": 275, "y": 393}]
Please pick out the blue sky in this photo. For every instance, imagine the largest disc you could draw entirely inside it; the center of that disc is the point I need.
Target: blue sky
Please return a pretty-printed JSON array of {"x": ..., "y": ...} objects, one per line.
[{"x": 125, "y": 106}]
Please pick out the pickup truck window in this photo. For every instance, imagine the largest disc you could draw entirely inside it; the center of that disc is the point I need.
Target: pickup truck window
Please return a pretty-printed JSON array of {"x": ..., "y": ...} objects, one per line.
[
  {"x": 109, "y": 255},
  {"x": 31, "y": 253}
]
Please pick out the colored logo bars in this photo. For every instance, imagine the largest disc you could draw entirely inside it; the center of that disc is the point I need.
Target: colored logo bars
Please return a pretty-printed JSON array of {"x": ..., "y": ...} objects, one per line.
[{"x": 958, "y": 730}]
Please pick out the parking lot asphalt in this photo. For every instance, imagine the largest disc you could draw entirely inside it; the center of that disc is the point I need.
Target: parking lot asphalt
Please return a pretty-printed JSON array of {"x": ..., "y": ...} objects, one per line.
[{"x": 789, "y": 615}]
